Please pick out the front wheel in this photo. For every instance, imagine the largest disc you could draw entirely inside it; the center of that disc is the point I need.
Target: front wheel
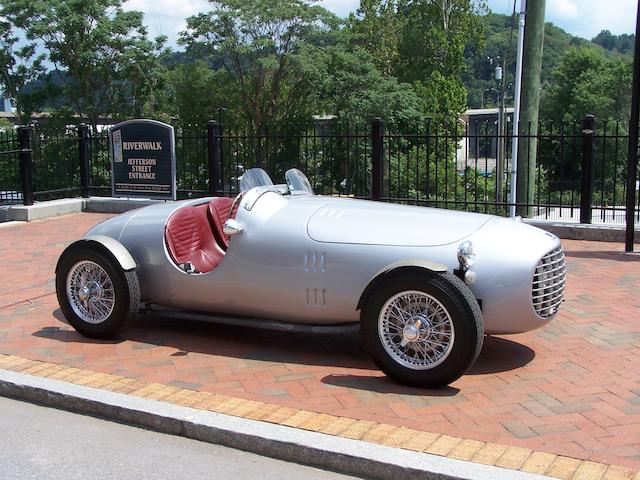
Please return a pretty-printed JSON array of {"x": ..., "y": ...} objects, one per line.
[
  {"x": 423, "y": 329},
  {"x": 96, "y": 295}
]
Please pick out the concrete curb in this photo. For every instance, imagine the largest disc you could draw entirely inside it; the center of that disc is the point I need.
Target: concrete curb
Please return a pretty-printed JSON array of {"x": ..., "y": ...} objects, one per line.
[
  {"x": 115, "y": 205},
  {"x": 579, "y": 231},
  {"x": 41, "y": 210},
  {"x": 66, "y": 206},
  {"x": 352, "y": 457}
]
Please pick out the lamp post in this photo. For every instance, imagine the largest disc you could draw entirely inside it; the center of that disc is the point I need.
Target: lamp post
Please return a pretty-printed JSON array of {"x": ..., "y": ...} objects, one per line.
[
  {"x": 516, "y": 109},
  {"x": 498, "y": 75}
]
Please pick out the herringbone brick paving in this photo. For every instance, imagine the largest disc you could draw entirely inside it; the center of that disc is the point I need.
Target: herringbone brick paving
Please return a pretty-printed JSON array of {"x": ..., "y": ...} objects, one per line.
[{"x": 571, "y": 388}]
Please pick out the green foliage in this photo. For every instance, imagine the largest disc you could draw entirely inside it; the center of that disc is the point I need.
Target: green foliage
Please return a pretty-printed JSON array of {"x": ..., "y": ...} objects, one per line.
[
  {"x": 588, "y": 82},
  {"x": 342, "y": 80},
  {"x": 377, "y": 26},
  {"x": 444, "y": 97},
  {"x": 106, "y": 64},
  {"x": 426, "y": 173},
  {"x": 195, "y": 92},
  {"x": 435, "y": 35},
  {"x": 501, "y": 41},
  {"x": 20, "y": 66},
  {"x": 422, "y": 43},
  {"x": 623, "y": 43},
  {"x": 257, "y": 42}
]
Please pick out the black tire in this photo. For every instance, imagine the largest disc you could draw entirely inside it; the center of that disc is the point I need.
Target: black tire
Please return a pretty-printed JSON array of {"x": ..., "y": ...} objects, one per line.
[
  {"x": 126, "y": 293},
  {"x": 465, "y": 315}
]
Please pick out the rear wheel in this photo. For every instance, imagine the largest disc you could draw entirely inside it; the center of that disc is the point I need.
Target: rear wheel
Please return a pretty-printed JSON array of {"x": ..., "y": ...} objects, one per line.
[
  {"x": 423, "y": 329},
  {"x": 96, "y": 295}
]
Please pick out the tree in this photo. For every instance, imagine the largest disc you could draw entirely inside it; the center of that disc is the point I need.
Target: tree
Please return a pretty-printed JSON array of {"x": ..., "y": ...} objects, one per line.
[
  {"x": 257, "y": 42},
  {"x": 434, "y": 36},
  {"x": 623, "y": 43},
  {"x": 20, "y": 66},
  {"x": 501, "y": 40},
  {"x": 588, "y": 82},
  {"x": 342, "y": 80},
  {"x": 377, "y": 26},
  {"x": 196, "y": 91},
  {"x": 422, "y": 43},
  {"x": 101, "y": 53}
]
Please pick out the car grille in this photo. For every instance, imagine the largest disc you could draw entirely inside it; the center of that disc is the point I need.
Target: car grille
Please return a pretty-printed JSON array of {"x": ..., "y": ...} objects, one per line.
[{"x": 548, "y": 283}]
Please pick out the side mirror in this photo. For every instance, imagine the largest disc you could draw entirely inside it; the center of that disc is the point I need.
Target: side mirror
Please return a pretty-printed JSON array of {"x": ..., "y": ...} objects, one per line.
[{"x": 232, "y": 227}]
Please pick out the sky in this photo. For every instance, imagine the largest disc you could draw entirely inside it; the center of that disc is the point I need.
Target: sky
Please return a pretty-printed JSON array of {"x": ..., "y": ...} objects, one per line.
[{"x": 583, "y": 18}]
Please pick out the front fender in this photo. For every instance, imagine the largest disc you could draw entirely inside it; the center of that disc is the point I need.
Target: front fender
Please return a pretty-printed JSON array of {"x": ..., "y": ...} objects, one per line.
[
  {"x": 104, "y": 244},
  {"x": 397, "y": 268}
]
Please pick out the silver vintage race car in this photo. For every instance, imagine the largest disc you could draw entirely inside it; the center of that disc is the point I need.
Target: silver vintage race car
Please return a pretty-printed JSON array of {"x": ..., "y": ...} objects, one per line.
[{"x": 423, "y": 285}]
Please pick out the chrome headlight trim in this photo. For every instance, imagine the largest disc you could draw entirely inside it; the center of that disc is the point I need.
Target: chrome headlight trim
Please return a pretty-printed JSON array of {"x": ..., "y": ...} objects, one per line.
[{"x": 466, "y": 255}]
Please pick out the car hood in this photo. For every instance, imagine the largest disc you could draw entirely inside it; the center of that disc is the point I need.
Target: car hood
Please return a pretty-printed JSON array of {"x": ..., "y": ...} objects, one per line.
[{"x": 375, "y": 223}]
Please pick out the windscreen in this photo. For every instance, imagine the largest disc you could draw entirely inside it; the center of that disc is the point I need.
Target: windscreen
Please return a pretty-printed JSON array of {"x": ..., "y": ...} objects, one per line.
[
  {"x": 298, "y": 182},
  {"x": 254, "y": 177}
]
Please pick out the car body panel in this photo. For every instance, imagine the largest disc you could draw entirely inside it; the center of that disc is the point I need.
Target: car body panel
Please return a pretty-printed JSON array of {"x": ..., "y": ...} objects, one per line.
[
  {"x": 364, "y": 222},
  {"x": 292, "y": 263}
]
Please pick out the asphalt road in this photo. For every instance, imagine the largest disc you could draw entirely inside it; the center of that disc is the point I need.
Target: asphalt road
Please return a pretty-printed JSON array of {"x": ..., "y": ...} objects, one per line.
[{"x": 44, "y": 443}]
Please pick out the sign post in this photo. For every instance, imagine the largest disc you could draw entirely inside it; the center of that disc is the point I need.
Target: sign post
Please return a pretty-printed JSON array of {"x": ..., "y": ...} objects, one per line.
[{"x": 143, "y": 159}]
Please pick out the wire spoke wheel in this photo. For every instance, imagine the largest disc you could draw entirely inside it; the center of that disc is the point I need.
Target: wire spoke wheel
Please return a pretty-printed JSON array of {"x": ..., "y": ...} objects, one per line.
[
  {"x": 90, "y": 292},
  {"x": 416, "y": 330},
  {"x": 96, "y": 295}
]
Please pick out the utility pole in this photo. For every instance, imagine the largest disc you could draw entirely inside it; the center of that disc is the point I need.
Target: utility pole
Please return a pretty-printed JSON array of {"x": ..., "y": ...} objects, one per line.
[{"x": 530, "y": 101}]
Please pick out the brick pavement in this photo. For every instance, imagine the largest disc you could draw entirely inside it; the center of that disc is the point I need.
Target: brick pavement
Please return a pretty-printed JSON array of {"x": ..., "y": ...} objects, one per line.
[{"x": 571, "y": 388}]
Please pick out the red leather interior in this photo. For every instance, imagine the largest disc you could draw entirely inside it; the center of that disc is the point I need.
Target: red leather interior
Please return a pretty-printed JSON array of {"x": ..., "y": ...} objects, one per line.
[
  {"x": 190, "y": 238},
  {"x": 219, "y": 210}
]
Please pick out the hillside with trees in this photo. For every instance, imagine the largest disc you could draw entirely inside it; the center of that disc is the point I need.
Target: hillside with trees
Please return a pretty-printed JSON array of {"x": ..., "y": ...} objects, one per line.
[
  {"x": 285, "y": 61},
  {"x": 615, "y": 54}
]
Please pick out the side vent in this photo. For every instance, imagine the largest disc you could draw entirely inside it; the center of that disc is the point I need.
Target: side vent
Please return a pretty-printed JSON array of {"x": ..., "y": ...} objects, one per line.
[
  {"x": 315, "y": 261},
  {"x": 331, "y": 213},
  {"x": 316, "y": 297}
]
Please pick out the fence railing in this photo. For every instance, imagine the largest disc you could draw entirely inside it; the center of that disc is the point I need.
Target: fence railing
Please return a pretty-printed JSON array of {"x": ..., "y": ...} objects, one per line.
[{"x": 579, "y": 171}]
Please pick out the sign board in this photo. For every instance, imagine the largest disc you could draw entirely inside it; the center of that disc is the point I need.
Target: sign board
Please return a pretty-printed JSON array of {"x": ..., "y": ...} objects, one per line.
[{"x": 143, "y": 159}]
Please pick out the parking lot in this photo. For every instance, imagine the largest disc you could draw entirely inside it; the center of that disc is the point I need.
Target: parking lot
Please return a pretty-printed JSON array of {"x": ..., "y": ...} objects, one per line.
[{"x": 571, "y": 388}]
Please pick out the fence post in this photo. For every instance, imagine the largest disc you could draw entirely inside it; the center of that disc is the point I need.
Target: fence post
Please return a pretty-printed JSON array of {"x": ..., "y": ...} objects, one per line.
[
  {"x": 26, "y": 163},
  {"x": 586, "y": 191},
  {"x": 377, "y": 157},
  {"x": 213, "y": 155},
  {"x": 83, "y": 150}
]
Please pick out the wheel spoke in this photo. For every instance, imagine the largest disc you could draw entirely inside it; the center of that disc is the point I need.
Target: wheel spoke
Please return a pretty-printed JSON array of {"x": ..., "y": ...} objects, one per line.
[
  {"x": 410, "y": 312},
  {"x": 90, "y": 292}
]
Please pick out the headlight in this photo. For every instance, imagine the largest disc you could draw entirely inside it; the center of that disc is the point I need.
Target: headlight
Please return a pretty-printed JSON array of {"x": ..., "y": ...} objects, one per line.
[{"x": 466, "y": 255}]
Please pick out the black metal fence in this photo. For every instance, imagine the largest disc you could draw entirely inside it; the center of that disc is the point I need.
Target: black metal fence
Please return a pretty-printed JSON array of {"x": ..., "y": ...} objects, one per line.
[
  {"x": 579, "y": 173},
  {"x": 10, "y": 189}
]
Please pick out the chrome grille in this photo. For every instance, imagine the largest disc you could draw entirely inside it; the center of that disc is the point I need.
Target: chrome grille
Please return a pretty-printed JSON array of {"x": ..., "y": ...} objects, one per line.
[{"x": 548, "y": 283}]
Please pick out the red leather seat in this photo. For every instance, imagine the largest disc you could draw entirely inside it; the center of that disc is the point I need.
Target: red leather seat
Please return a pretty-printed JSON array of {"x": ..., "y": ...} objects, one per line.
[
  {"x": 190, "y": 239},
  {"x": 219, "y": 211}
]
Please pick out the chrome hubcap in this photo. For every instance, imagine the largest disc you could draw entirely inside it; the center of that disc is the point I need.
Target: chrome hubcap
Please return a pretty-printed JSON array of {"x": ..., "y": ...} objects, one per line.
[
  {"x": 90, "y": 292},
  {"x": 416, "y": 330}
]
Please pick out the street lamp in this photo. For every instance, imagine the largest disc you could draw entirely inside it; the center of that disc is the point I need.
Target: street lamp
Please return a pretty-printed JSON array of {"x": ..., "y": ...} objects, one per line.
[{"x": 500, "y": 153}]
